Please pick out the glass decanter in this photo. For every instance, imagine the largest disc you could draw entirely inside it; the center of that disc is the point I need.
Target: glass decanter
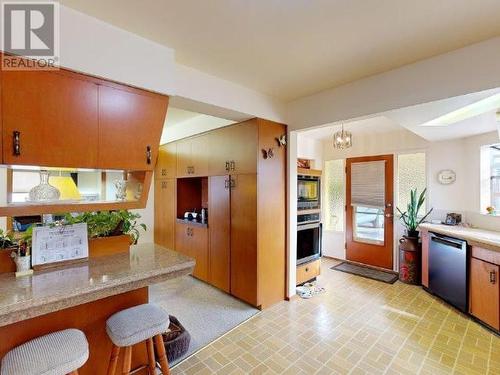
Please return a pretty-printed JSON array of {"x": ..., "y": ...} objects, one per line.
[{"x": 44, "y": 192}]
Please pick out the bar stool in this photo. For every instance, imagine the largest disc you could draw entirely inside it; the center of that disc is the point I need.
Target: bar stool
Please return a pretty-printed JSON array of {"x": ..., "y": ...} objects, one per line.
[
  {"x": 58, "y": 353},
  {"x": 141, "y": 323}
]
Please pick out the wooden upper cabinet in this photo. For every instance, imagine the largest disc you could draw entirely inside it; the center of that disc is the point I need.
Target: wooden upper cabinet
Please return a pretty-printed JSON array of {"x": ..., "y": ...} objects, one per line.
[
  {"x": 233, "y": 149},
  {"x": 130, "y": 126},
  {"x": 485, "y": 292},
  {"x": 53, "y": 117},
  {"x": 166, "y": 164},
  {"x": 192, "y": 156}
]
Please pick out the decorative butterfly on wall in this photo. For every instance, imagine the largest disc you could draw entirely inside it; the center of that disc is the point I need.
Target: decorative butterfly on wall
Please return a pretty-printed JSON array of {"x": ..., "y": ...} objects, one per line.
[{"x": 281, "y": 140}]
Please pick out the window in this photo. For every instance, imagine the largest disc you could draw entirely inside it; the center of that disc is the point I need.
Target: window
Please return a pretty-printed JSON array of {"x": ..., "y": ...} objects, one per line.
[
  {"x": 411, "y": 175},
  {"x": 334, "y": 202},
  {"x": 490, "y": 179}
]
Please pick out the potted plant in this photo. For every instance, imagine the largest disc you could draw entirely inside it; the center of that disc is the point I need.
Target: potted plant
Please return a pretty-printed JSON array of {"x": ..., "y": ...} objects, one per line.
[
  {"x": 109, "y": 231},
  {"x": 409, "y": 247}
]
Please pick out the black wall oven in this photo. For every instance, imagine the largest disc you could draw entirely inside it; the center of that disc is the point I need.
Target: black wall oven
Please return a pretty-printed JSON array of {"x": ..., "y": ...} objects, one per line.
[
  {"x": 308, "y": 192},
  {"x": 308, "y": 242}
]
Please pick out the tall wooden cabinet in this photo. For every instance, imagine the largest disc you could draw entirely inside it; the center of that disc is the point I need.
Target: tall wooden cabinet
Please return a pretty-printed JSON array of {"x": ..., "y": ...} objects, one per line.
[
  {"x": 164, "y": 228},
  {"x": 245, "y": 239}
]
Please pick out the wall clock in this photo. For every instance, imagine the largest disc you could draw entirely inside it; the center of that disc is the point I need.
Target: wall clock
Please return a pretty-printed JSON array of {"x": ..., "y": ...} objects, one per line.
[{"x": 447, "y": 177}]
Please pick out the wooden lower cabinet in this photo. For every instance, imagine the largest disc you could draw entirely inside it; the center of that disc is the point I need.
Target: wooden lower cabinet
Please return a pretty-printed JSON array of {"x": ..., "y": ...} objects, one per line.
[
  {"x": 485, "y": 292},
  {"x": 165, "y": 217},
  {"x": 192, "y": 240},
  {"x": 308, "y": 271},
  {"x": 244, "y": 238},
  {"x": 219, "y": 271}
]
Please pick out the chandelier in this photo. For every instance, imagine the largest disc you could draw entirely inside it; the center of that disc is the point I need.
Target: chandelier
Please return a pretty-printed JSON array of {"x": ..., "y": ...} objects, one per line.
[{"x": 342, "y": 139}]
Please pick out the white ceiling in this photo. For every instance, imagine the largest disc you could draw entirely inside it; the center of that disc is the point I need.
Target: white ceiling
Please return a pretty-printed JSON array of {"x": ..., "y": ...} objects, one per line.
[
  {"x": 412, "y": 118},
  {"x": 292, "y": 48}
]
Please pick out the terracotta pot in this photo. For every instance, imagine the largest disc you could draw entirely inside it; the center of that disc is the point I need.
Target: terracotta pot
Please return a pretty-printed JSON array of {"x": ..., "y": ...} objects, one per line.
[{"x": 409, "y": 260}]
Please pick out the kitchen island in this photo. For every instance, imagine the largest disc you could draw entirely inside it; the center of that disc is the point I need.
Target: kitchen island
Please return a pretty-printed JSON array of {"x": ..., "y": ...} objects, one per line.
[{"x": 83, "y": 296}]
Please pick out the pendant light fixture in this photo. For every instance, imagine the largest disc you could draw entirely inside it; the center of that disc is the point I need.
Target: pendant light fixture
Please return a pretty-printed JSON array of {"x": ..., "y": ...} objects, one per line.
[{"x": 342, "y": 139}]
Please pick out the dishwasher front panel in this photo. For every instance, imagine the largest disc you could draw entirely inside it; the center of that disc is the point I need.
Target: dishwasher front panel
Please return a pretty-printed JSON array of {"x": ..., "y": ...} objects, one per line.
[{"x": 448, "y": 273}]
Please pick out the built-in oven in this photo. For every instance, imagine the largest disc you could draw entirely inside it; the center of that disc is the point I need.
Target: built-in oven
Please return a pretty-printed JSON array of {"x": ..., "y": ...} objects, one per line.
[
  {"x": 308, "y": 192},
  {"x": 308, "y": 242}
]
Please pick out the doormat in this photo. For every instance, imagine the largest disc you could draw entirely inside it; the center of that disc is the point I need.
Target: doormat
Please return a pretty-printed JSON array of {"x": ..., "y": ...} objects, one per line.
[{"x": 370, "y": 273}]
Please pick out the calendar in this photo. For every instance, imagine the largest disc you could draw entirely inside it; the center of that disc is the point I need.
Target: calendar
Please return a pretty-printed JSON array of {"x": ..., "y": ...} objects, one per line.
[{"x": 59, "y": 244}]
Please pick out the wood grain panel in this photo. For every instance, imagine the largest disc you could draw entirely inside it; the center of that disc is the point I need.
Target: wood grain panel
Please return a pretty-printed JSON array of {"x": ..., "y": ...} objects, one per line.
[
  {"x": 485, "y": 292},
  {"x": 183, "y": 158},
  {"x": 199, "y": 155},
  {"x": 182, "y": 240},
  {"x": 490, "y": 256},
  {"x": 219, "y": 232},
  {"x": 129, "y": 122},
  {"x": 271, "y": 201},
  {"x": 91, "y": 319},
  {"x": 56, "y": 115},
  {"x": 166, "y": 166},
  {"x": 308, "y": 271},
  {"x": 164, "y": 227},
  {"x": 244, "y": 238},
  {"x": 198, "y": 249}
]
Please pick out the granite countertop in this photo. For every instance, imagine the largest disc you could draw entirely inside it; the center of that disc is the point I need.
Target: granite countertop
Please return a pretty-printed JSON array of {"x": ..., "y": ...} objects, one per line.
[
  {"x": 59, "y": 288},
  {"x": 474, "y": 236}
]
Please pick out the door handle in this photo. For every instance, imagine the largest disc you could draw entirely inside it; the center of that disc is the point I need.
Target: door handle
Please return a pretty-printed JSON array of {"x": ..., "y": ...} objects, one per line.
[
  {"x": 228, "y": 166},
  {"x": 233, "y": 165},
  {"x": 493, "y": 277},
  {"x": 149, "y": 154},
  {"x": 16, "y": 143}
]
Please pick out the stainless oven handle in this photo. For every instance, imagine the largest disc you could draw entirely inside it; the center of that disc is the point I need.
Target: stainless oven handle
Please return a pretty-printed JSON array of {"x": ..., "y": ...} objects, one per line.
[{"x": 308, "y": 226}]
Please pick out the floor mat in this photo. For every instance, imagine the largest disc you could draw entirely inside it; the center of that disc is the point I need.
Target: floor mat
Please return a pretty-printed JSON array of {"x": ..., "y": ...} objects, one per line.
[
  {"x": 370, "y": 273},
  {"x": 206, "y": 312}
]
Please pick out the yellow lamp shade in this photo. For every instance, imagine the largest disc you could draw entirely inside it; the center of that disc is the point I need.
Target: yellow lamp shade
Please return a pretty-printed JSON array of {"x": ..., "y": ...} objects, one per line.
[{"x": 66, "y": 187}]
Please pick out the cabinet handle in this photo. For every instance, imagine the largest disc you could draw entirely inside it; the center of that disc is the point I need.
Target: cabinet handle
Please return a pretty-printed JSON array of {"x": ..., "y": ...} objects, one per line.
[
  {"x": 233, "y": 165},
  {"x": 493, "y": 277},
  {"x": 228, "y": 166},
  {"x": 226, "y": 184},
  {"x": 148, "y": 154},
  {"x": 164, "y": 184},
  {"x": 163, "y": 172},
  {"x": 307, "y": 269},
  {"x": 232, "y": 183},
  {"x": 16, "y": 142}
]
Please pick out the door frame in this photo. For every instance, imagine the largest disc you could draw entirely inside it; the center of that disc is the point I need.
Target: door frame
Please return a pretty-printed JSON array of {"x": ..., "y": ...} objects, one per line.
[{"x": 389, "y": 230}]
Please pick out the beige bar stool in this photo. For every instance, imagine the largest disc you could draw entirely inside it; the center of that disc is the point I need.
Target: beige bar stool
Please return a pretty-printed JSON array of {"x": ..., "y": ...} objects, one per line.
[
  {"x": 58, "y": 353},
  {"x": 141, "y": 323}
]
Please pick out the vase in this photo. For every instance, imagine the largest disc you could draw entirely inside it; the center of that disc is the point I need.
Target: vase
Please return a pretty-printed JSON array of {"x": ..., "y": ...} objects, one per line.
[
  {"x": 23, "y": 263},
  {"x": 121, "y": 189},
  {"x": 44, "y": 192},
  {"x": 409, "y": 260}
]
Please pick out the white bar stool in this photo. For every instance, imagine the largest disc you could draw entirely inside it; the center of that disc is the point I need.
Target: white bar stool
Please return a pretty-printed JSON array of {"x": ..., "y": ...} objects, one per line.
[
  {"x": 141, "y": 323},
  {"x": 58, "y": 353}
]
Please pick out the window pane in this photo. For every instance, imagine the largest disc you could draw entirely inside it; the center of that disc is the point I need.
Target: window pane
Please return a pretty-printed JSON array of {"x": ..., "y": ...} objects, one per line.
[
  {"x": 368, "y": 224},
  {"x": 334, "y": 203},
  {"x": 411, "y": 175},
  {"x": 495, "y": 177}
]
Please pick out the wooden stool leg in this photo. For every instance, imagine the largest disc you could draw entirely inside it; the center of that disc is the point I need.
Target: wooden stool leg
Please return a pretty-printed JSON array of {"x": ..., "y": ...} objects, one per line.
[
  {"x": 115, "y": 352},
  {"x": 151, "y": 356},
  {"x": 162, "y": 355},
  {"x": 127, "y": 360}
]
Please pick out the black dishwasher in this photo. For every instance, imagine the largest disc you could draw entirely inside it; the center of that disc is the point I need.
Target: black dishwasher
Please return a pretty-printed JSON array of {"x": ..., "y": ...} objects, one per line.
[{"x": 448, "y": 269}]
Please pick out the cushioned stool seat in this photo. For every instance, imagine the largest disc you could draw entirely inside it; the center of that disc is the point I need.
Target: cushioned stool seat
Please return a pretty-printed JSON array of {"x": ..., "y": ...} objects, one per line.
[
  {"x": 136, "y": 324},
  {"x": 57, "y": 353}
]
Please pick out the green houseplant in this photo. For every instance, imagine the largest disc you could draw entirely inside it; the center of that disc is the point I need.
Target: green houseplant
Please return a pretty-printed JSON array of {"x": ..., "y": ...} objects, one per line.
[{"x": 410, "y": 218}]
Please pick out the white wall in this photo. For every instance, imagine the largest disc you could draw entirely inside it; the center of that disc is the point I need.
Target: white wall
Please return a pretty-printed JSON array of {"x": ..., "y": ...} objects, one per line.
[
  {"x": 192, "y": 126},
  {"x": 308, "y": 148},
  {"x": 461, "y": 155}
]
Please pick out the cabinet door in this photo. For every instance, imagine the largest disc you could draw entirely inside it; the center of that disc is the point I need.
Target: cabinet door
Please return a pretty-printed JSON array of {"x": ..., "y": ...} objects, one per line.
[
  {"x": 167, "y": 159},
  {"x": 244, "y": 150},
  {"x": 425, "y": 258},
  {"x": 183, "y": 158},
  {"x": 164, "y": 228},
  {"x": 244, "y": 237},
  {"x": 182, "y": 239},
  {"x": 199, "y": 251},
  {"x": 485, "y": 292},
  {"x": 55, "y": 115},
  {"x": 130, "y": 124},
  {"x": 220, "y": 232},
  {"x": 199, "y": 155}
]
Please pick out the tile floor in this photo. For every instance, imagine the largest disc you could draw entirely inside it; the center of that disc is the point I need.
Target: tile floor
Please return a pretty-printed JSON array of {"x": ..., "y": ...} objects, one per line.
[{"x": 359, "y": 326}]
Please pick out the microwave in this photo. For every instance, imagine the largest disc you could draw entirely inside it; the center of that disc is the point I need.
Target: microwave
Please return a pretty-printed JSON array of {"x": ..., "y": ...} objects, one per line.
[{"x": 308, "y": 192}]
